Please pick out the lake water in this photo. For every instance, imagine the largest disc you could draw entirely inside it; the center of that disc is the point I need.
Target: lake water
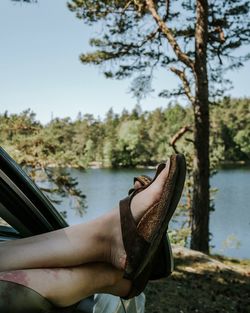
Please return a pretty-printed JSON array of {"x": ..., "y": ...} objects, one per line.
[{"x": 229, "y": 224}]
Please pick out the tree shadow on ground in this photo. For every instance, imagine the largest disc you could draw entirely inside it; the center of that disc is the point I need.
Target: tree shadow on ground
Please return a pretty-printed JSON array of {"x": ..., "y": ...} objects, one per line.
[{"x": 200, "y": 284}]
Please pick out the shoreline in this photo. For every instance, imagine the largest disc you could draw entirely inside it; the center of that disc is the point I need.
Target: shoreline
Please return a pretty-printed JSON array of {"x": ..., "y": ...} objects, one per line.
[{"x": 99, "y": 165}]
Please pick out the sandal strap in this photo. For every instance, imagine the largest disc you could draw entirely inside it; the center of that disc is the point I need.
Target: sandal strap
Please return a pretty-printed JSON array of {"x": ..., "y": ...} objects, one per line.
[
  {"x": 145, "y": 179},
  {"x": 135, "y": 245}
]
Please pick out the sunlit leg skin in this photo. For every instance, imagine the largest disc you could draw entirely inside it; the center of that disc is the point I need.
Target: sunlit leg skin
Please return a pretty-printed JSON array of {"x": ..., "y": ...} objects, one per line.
[
  {"x": 70, "y": 246},
  {"x": 66, "y": 286}
]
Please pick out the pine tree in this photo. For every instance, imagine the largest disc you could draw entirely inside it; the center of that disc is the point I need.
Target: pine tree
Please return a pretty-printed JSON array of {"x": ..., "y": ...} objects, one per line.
[{"x": 196, "y": 40}]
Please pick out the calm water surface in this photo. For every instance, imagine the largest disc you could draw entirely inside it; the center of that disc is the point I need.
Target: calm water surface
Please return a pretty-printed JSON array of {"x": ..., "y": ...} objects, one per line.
[{"x": 229, "y": 224}]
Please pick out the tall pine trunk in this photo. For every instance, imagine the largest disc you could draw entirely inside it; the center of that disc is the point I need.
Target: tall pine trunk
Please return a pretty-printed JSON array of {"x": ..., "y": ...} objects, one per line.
[{"x": 200, "y": 203}]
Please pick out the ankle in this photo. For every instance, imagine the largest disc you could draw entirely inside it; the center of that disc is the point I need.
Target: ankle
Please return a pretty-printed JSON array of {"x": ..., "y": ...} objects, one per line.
[
  {"x": 115, "y": 253},
  {"x": 105, "y": 235}
]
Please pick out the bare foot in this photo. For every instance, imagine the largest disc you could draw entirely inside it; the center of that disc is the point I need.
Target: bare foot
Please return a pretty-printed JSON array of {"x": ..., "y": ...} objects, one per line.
[{"x": 140, "y": 203}]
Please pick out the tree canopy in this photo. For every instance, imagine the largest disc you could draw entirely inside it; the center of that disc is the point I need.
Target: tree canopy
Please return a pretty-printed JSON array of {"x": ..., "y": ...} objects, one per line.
[{"x": 135, "y": 37}]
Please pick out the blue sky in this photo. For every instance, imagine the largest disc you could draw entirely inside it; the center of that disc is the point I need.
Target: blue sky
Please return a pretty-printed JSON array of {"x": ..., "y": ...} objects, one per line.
[{"x": 40, "y": 67}]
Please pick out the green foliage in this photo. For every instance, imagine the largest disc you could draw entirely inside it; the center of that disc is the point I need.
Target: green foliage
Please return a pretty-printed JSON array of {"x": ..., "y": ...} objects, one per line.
[
  {"x": 134, "y": 138},
  {"x": 39, "y": 150},
  {"x": 230, "y": 129}
]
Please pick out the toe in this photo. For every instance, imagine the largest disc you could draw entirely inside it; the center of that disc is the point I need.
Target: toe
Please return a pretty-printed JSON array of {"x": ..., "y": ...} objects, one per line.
[{"x": 137, "y": 185}]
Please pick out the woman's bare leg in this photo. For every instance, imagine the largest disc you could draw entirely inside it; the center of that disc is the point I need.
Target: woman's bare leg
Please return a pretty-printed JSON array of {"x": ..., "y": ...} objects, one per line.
[
  {"x": 66, "y": 286},
  {"x": 70, "y": 246},
  {"x": 97, "y": 241}
]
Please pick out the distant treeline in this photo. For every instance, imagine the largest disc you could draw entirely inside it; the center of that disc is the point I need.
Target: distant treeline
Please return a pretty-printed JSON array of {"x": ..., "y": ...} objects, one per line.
[{"x": 128, "y": 139}]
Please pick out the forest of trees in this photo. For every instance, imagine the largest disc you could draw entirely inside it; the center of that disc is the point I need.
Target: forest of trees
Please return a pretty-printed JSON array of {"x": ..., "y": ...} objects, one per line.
[{"x": 130, "y": 139}]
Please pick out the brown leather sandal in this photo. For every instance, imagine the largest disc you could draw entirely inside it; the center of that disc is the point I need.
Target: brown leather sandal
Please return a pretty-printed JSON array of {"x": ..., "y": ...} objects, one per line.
[
  {"x": 163, "y": 261},
  {"x": 141, "y": 241}
]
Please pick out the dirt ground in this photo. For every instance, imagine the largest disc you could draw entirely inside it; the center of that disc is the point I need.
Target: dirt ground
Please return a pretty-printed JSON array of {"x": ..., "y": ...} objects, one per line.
[{"x": 201, "y": 284}]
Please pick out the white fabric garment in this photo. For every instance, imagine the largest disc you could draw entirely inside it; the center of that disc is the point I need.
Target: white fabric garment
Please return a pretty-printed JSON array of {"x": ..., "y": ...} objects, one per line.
[{"x": 105, "y": 303}]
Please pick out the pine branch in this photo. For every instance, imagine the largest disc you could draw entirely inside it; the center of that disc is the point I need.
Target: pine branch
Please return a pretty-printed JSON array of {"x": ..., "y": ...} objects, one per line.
[
  {"x": 167, "y": 9},
  {"x": 186, "y": 85},
  {"x": 169, "y": 35},
  {"x": 178, "y": 135}
]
